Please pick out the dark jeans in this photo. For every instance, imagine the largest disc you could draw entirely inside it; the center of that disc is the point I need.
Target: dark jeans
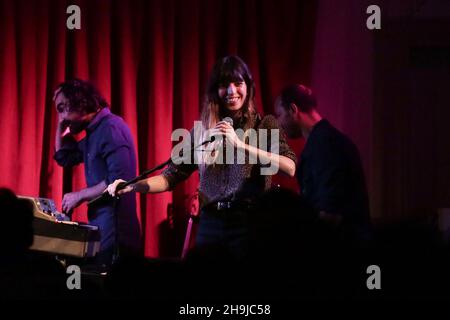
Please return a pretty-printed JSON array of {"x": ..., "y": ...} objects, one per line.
[{"x": 226, "y": 228}]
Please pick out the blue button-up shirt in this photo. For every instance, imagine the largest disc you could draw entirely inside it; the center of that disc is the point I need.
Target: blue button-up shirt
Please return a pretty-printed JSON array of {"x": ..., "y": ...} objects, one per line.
[{"x": 108, "y": 154}]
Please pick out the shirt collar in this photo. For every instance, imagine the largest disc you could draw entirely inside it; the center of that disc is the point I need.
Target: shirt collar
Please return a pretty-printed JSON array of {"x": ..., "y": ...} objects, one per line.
[
  {"x": 318, "y": 126},
  {"x": 315, "y": 131},
  {"x": 97, "y": 119}
]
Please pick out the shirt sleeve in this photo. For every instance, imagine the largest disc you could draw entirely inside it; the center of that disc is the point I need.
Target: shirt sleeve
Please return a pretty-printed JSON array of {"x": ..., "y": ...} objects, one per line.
[
  {"x": 270, "y": 123},
  {"x": 176, "y": 173},
  {"x": 71, "y": 152},
  {"x": 117, "y": 150},
  {"x": 330, "y": 173}
]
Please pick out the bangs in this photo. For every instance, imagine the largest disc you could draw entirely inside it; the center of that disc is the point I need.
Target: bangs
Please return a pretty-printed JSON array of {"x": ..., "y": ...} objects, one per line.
[
  {"x": 230, "y": 74},
  {"x": 226, "y": 70}
]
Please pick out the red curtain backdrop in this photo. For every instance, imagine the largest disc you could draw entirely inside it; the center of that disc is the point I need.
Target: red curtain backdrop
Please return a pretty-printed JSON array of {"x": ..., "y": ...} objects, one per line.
[{"x": 151, "y": 60}]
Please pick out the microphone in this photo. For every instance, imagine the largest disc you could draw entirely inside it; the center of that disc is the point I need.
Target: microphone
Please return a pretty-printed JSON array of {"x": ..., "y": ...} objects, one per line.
[
  {"x": 212, "y": 138},
  {"x": 106, "y": 197},
  {"x": 229, "y": 120}
]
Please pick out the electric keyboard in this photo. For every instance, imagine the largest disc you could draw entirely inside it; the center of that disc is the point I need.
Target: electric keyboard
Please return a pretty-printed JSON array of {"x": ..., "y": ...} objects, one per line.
[{"x": 55, "y": 233}]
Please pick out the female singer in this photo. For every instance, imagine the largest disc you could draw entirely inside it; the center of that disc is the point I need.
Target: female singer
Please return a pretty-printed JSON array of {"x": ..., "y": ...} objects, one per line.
[{"x": 227, "y": 190}]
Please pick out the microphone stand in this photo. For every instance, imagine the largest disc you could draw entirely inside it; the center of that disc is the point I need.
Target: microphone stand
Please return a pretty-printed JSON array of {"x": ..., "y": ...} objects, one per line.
[
  {"x": 106, "y": 197},
  {"x": 142, "y": 176}
]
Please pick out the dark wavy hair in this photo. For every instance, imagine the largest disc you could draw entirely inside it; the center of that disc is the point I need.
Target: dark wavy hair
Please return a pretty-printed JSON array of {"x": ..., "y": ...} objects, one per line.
[
  {"x": 82, "y": 96},
  {"x": 228, "y": 69}
]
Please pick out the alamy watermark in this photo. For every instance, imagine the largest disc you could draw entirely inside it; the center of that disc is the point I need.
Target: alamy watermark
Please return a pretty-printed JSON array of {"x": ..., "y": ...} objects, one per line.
[
  {"x": 74, "y": 279},
  {"x": 192, "y": 151},
  {"x": 373, "y": 282},
  {"x": 74, "y": 20},
  {"x": 374, "y": 20}
]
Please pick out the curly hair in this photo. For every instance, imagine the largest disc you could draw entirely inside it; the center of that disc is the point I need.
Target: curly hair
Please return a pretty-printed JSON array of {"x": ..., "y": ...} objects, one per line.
[{"x": 82, "y": 96}]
